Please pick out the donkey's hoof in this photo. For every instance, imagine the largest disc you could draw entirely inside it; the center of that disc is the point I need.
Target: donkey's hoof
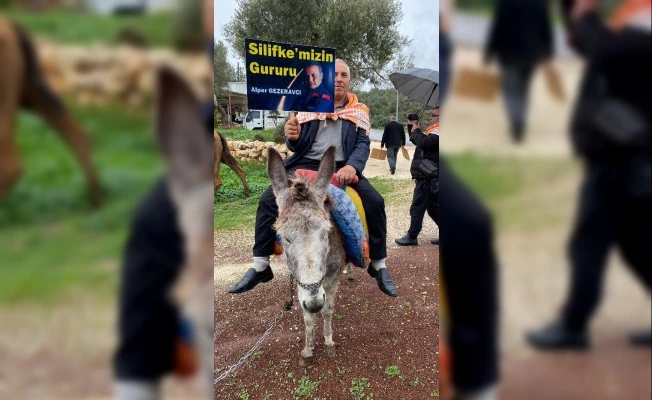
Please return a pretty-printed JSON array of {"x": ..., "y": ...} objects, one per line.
[
  {"x": 305, "y": 361},
  {"x": 330, "y": 350}
]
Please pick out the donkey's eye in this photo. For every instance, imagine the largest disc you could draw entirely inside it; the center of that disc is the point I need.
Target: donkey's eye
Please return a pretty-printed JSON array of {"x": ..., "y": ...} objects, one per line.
[{"x": 288, "y": 241}]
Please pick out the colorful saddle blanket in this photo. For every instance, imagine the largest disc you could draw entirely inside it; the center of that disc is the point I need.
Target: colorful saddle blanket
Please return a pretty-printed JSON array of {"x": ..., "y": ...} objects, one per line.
[{"x": 348, "y": 214}]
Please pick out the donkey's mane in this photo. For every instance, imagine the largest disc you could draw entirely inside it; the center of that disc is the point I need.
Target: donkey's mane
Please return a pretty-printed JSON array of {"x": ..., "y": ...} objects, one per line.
[{"x": 300, "y": 188}]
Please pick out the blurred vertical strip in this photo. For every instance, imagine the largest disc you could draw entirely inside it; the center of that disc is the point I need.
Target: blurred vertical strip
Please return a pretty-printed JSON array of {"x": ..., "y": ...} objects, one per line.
[
  {"x": 64, "y": 263},
  {"x": 547, "y": 123}
]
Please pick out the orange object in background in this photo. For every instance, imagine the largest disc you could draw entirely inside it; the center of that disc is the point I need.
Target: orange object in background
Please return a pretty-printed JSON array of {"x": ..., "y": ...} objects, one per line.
[
  {"x": 186, "y": 361},
  {"x": 445, "y": 380},
  {"x": 629, "y": 10}
]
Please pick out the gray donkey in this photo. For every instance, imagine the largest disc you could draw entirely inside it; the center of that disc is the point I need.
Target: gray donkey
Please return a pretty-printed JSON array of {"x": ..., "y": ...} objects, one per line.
[{"x": 312, "y": 245}]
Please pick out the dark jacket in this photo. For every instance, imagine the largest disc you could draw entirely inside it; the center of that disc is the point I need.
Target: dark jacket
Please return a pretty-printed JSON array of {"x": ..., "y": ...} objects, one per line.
[
  {"x": 355, "y": 144},
  {"x": 618, "y": 66},
  {"x": 393, "y": 136},
  {"x": 520, "y": 32},
  {"x": 427, "y": 148}
]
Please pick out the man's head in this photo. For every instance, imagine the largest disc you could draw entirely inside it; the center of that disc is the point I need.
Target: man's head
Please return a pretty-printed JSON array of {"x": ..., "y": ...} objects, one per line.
[
  {"x": 413, "y": 122},
  {"x": 342, "y": 80},
  {"x": 435, "y": 115},
  {"x": 392, "y": 118},
  {"x": 314, "y": 74}
]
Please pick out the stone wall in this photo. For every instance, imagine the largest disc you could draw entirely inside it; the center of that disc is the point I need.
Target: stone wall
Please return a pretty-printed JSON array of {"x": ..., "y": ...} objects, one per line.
[
  {"x": 249, "y": 150},
  {"x": 100, "y": 74}
]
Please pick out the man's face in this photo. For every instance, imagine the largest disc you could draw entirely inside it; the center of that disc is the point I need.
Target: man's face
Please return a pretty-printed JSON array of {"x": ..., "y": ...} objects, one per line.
[
  {"x": 342, "y": 79},
  {"x": 435, "y": 116},
  {"x": 315, "y": 76}
]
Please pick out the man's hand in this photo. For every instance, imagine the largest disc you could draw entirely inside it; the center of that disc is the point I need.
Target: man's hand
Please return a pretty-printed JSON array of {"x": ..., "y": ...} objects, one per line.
[
  {"x": 345, "y": 175},
  {"x": 292, "y": 128}
]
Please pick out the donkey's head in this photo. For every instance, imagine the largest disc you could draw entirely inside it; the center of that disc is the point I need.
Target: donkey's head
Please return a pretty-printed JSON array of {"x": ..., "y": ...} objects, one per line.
[
  {"x": 304, "y": 225},
  {"x": 188, "y": 152}
]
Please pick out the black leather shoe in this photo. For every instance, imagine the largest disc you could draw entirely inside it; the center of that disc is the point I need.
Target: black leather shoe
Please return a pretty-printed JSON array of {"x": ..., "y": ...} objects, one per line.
[
  {"x": 407, "y": 240},
  {"x": 556, "y": 336},
  {"x": 384, "y": 279},
  {"x": 435, "y": 241},
  {"x": 251, "y": 279},
  {"x": 641, "y": 339}
]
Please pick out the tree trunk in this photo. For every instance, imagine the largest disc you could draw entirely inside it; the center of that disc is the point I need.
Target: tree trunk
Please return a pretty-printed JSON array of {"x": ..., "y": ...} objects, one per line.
[{"x": 226, "y": 122}]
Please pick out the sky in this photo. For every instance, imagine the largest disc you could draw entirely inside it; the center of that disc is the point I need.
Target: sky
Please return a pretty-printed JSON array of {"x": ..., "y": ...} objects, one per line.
[{"x": 420, "y": 23}]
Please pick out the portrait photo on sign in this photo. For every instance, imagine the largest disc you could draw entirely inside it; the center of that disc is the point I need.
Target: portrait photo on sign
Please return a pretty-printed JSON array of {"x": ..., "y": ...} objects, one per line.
[{"x": 289, "y": 77}]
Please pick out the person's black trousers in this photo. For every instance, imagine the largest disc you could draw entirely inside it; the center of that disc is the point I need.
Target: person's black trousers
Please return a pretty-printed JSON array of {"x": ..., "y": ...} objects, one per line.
[
  {"x": 147, "y": 318},
  {"x": 422, "y": 200},
  {"x": 392, "y": 153},
  {"x": 516, "y": 79},
  {"x": 610, "y": 212},
  {"x": 373, "y": 203},
  {"x": 469, "y": 274}
]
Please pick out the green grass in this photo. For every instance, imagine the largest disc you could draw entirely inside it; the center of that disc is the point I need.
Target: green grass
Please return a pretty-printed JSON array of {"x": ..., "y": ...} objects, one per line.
[
  {"x": 519, "y": 190},
  {"x": 243, "y": 134},
  {"x": 358, "y": 387},
  {"x": 306, "y": 387},
  {"x": 50, "y": 239},
  {"x": 86, "y": 28},
  {"x": 490, "y": 177}
]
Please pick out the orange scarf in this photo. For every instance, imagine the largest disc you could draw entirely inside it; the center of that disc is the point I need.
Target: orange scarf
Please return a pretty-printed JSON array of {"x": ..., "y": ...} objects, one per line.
[
  {"x": 434, "y": 128},
  {"x": 355, "y": 112},
  {"x": 631, "y": 11}
]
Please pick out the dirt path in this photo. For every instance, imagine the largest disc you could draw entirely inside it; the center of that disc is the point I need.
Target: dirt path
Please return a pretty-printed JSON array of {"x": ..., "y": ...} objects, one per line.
[{"x": 372, "y": 332}]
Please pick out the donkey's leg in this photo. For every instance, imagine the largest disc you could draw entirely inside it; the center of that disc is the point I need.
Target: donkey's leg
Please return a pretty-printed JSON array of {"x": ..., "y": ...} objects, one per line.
[
  {"x": 327, "y": 312},
  {"x": 349, "y": 271},
  {"x": 309, "y": 320}
]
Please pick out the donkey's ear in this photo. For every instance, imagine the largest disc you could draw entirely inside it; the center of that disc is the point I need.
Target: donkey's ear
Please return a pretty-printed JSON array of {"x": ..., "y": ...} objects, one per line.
[
  {"x": 181, "y": 132},
  {"x": 325, "y": 173},
  {"x": 276, "y": 173}
]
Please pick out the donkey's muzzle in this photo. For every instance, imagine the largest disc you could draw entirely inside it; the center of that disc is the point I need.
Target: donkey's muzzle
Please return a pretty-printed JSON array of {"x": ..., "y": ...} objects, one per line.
[{"x": 314, "y": 304}]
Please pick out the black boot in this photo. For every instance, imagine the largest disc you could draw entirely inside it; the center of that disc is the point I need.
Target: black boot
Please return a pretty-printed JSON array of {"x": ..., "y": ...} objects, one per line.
[
  {"x": 557, "y": 336},
  {"x": 435, "y": 241},
  {"x": 641, "y": 339},
  {"x": 384, "y": 279},
  {"x": 392, "y": 171},
  {"x": 407, "y": 240},
  {"x": 251, "y": 279},
  {"x": 518, "y": 132}
]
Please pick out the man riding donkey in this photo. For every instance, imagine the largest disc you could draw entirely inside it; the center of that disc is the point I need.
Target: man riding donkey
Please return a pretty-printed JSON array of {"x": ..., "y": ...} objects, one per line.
[{"x": 309, "y": 135}]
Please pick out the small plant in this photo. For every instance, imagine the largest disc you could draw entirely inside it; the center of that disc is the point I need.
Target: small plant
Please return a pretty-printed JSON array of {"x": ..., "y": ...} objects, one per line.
[
  {"x": 435, "y": 394},
  {"x": 243, "y": 394},
  {"x": 256, "y": 354},
  {"x": 306, "y": 387},
  {"x": 340, "y": 371},
  {"x": 267, "y": 395},
  {"x": 407, "y": 304},
  {"x": 358, "y": 387},
  {"x": 392, "y": 371},
  {"x": 417, "y": 382},
  {"x": 339, "y": 317}
]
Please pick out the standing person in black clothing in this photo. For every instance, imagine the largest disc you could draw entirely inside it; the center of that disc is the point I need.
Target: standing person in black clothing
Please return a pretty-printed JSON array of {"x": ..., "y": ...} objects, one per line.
[
  {"x": 425, "y": 172},
  {"x": 521, "y": 38},
  {"x": 610, "y": 130},
  {"x": 394, "y": 139}
]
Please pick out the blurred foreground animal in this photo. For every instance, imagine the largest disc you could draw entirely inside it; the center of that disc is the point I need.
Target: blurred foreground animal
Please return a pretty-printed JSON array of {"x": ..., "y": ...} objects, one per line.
[
  {"x": 23, "y": 86},
  {"x": 224, "y": 156},
  {"x": 188, "y": 155}
]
